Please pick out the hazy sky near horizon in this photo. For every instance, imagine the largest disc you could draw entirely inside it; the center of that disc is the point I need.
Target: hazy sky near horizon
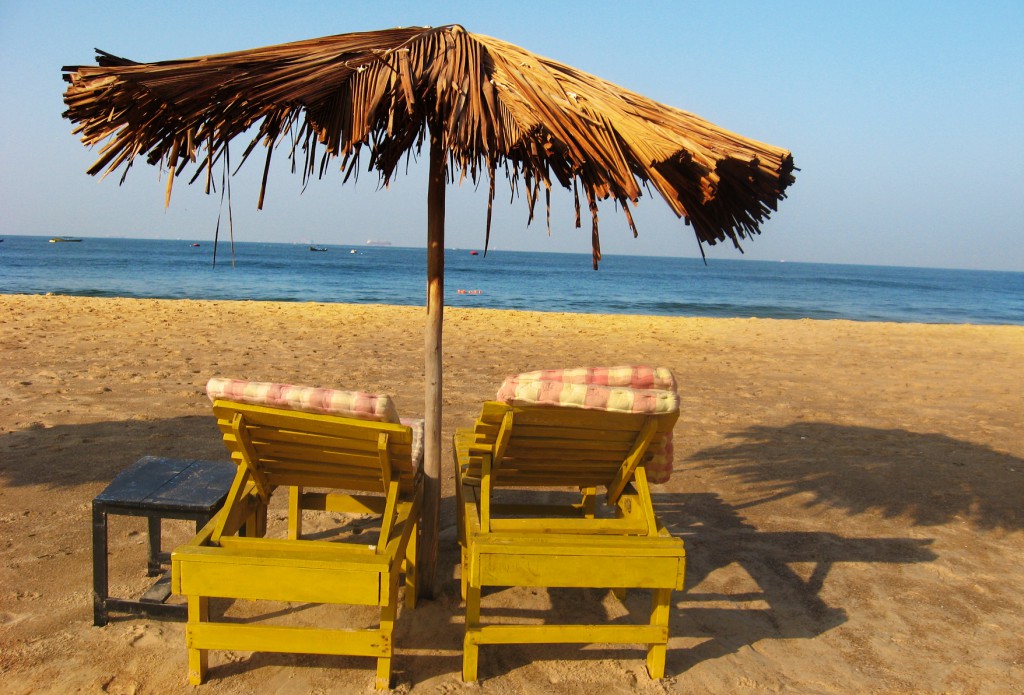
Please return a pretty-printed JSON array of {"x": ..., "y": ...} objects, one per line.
[{"x": 905, "y": 119}]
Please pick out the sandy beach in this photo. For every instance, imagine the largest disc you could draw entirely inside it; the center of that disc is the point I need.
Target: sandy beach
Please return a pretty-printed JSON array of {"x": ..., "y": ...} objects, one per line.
[{"x": 851, "y": 494}]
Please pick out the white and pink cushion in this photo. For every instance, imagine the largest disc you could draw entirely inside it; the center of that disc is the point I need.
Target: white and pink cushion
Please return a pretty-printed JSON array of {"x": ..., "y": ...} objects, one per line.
[
  {"x": 588, "y": 396},
  {"x": 629, "y": 389},
  {"x": 355, "y": 404},
  {"x": 634, "y": 376}
]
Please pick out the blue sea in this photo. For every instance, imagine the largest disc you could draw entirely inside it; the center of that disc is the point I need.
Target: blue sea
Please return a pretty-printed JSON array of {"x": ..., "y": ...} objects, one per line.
[{"x": 106, "y": 267}]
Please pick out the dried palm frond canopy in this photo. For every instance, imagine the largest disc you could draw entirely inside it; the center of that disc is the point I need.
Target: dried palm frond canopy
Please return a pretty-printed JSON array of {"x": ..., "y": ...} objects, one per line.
[{"x": 488, "y": 103}]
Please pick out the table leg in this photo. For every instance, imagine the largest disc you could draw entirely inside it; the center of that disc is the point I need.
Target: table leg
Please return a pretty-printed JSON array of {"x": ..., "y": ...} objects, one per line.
[
  {"x": 99, "y": 565},
  {"x": 153, "y": 564}
]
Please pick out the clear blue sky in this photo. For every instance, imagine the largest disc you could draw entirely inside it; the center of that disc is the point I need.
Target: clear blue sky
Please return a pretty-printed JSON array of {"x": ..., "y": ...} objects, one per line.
[{"x": 905, "y": 118}]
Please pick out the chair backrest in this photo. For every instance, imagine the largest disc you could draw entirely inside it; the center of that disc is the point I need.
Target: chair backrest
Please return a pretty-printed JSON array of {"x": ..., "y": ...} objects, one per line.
[
  {"x": 315, "y": 437},
  {"x": 624, "y": 390},
  {"x": 543, "y": 445},
  {"x": 286, "y": 447}
]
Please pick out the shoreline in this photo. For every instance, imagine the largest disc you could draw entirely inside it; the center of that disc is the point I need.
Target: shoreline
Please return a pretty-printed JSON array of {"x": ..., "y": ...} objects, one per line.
[
  {"x": 528, "y": 311},
  {"x": 849, "y": 491}
]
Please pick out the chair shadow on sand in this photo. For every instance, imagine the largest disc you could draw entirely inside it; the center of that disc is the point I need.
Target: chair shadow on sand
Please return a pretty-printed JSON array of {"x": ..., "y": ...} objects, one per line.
[
  {"x": 926, "y": 478},
  {"x": 785, "y": 605},
  {"x": 786, "y": 602}
]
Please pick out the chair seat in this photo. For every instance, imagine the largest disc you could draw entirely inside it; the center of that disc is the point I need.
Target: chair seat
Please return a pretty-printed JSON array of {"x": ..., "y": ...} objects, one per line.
[
  {"x": 549, "y": 563},
  {"x": 288, "y": 570}
]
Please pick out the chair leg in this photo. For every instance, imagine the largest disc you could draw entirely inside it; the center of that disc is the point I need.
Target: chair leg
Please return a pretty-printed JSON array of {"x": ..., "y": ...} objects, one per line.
[
  {"x": 589, "y": 501},
  {"x": 411, "y": 580},
  {"x": 198, "y": 659},
  {"x": 255, "y": 525},
  {"x": 460, "y": 508},
  {"x": 463, "y": 572},
  {"x": 470, "y": 649},
  {"x": 387, "y": 625},
  {"x": 294, "y": 512},
  {"x": 661, "y": 605}
]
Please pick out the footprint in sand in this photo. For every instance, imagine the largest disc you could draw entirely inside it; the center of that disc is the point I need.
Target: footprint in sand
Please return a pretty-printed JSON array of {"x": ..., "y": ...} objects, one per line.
[{"x": 145, "y": 636}]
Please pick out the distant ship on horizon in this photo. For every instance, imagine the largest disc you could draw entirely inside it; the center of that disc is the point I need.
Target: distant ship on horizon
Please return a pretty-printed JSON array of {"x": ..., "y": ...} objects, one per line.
[{"x": 372, "y": 242}]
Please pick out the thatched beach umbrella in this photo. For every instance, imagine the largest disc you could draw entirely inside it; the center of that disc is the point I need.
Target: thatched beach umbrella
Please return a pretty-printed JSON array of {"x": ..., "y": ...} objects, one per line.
[{"x": 482, "y": 104}]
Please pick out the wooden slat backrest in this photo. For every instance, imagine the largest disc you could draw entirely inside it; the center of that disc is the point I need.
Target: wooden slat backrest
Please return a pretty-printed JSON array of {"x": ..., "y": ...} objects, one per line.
[
  {"x": 316, "y": 450},
  {"x": 556, "y": 446}
]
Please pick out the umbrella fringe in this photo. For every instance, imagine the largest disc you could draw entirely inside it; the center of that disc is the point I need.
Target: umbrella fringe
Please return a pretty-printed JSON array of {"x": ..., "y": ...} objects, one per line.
[
  {"x": 547, "y": 196},
  {"x": 594, "y": 233},
  {"x": 490, "y": 206},
  {"x": 629, "y": 217}
]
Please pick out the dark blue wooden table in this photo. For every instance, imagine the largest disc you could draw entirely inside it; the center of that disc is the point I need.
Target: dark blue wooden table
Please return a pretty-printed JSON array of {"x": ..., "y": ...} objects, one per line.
[{"x": 156, "y": 488}]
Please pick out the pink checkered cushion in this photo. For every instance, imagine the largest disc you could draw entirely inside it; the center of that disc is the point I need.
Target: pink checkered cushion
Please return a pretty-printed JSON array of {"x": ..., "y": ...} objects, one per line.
[
  {"x": 356, "y": 404},
  {"x": 632, "y": 376},
  {"x": 588, "y": 396},
  {"x": 596, "y": 388}
]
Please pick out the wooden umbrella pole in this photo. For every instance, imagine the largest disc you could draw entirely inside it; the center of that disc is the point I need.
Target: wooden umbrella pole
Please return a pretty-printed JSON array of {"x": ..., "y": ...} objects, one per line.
[{"x": 432, "y": 367}]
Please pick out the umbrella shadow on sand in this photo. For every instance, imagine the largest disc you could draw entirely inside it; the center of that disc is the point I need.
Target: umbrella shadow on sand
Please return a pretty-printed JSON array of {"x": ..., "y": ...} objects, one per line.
[
  {"x": 925, "y": 477},
  {"x": 71, "y": 455}
]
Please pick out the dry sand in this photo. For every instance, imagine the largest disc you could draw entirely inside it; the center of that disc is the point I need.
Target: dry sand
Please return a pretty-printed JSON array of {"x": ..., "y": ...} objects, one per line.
[{"x": 850, "y": 493}]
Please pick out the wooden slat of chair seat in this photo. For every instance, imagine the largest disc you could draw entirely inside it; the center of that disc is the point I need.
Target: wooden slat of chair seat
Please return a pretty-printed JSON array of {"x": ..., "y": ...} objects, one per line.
[
  {"x": 299, "y": 477},
  {"x": 332, "y": 433},
  {"x": 300, "y": 640},
  {"x": 308, "y": 422},
  {"x": 324, "y": 448},
  {"x": 571, "y": 634},
  {"x": 354, "y": 479},
  {"x": 327, "y": 448},
  {"x": 595, "y": 544},
  {"x": 323, "y": 501}
]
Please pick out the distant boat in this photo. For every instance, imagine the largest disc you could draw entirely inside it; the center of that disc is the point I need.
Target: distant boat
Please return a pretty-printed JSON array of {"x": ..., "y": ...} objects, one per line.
[
  {"x": 352, "y": 251},
  {"x": 317, "y": 248},
  {"x": 195, "y": 244},
  {"x": 474, "y": 253},
  {"x": 371, "y": 242},
  {"x": 56, "y": 239}
]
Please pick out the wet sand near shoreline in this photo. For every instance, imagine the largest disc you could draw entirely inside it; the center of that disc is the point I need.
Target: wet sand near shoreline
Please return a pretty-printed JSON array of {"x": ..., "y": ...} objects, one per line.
[{"x": 851, "y": 494}]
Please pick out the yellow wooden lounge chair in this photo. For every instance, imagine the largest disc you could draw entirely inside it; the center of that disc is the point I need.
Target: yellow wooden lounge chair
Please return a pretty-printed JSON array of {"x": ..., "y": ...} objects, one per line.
[
  {"x": 545, "y": 432},
  {"x": 349, "y": 442}
]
